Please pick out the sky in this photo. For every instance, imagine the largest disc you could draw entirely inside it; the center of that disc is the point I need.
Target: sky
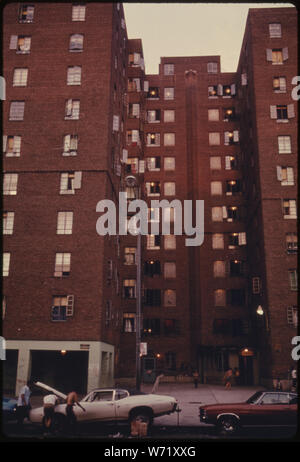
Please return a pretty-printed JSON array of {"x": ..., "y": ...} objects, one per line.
[{"x": 190, "y": 29}]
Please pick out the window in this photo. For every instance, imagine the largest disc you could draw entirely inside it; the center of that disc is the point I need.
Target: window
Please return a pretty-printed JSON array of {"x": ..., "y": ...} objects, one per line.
[
  {"x": 76, "y": 42},
  {"x": 74, "y": 75},
  {"x": 152, "y": 297},
  {"x": 219, "y": 269},
  {"x": 284, "y": 144},
  {"x": 169, "y": 115},
  {"x": 10, "y": 182},
  {"x": 169, "y": 163},
  {"x": 231, "y": 137},
  {"x": 62, "y": 307},
  {"x": 171, "y": 327},
  {"x": 129, "y": 288},
  {"x": 231, "y": 163},
  {"x": 169, "y": 270},
  {"x": 69, "y": 182},
  {"x": 133, "y": 137},
  {"x": 132, "y": 165},
  {"x": 170, "y": 360},
  {"x": 153, "y": 242},
  {"x": 220, "y": 297},
  {"x": 6, "y": 262},
  {"x": 236, "y": 268},
  {"x": 256, "y": 285},
  {"x": 277, "y": 55},
  {"x": 236, "y": 239},
  {"x": 170, "y": 297},
  {"x": 12, "y": 146},
  {"x": 3, "y": 306},
  {"x": 216, "y": 188},
  {"x": 20, "y": 77},
  {"x": 16, "y": 111},
  {"x": 215, "y": 163},
  {"x": 134, "y": 84},
  {"x": 153, "y": 164},
  {"x": 282, "y": 112},
  {"x": 169, "y": 93},
  {"x": 153, "y": 116},
  {"x": 153, "y": 215},
  {"x": 292, "y": 316},
  {"x": 135, "y": 60},
  {"x": 170, "y": 242},
  {"x": 233, "y": 187},
  {"x": 8, "y": 222},
  {"x": 293, "y": 278},
  {"x": 289, "y": 208},
  {"x": 291, "y": 240},
  {"x": 218, "y": 241},
  {"x": 214, "y": 139},
  {"x": 72, "y": 109},
  {"x": 226, "y": 90},
  {"x": 153, "y": 139},
  {"x": 169, "y": 139},
  {"x": 152, "y": 268},
  {"x": 275, "y": 30},
  {"x": 129, "y": 322},
  {"x": 64, "y": 223},
  {"x": 222, "y": 326},
  {"x": 78, "y": 12},
  {"x": 70, "y": 145},
  {"x": 231, "y": 213},
  {"x": 153, "y": 188},
  {"x": 229, "y": 114},
  {"x": 134, "y": 110},
  {"x": 26, "y": 13},
  {"x": 129, "y": 255},
  {"x": 153, "y": 93},
  {"x": 285, "y": 175},
  {"x": 168, "y": 69},
  {"x": 236, "y": 297},
  {"x": 151, "y": 327},
  {"x": 62, "y": 264},
  {"x": 279, "y": 84},
  {"x": 217, "y": 214},
  {"x": 21, "y": 44},
  {"x": 213, "y": 115},
  {"x": 169, "y": 189},
  {"x": 212, "y": 68},
  {"x": 213, "y": 91}
]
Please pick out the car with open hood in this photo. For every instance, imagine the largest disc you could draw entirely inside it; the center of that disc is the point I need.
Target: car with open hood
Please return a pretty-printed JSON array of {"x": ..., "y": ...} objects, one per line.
[
  {"x": 264, "y": 408},
  {"x": 109, "y": 405}
]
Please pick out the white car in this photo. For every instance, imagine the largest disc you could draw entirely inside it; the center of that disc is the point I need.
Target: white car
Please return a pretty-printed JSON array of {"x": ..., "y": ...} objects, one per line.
[{"x": 110, "y": 404}]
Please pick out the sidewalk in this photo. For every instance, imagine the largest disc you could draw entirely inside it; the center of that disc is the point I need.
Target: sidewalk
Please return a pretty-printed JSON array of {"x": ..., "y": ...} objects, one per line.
[{"x": 190, "y": 399}]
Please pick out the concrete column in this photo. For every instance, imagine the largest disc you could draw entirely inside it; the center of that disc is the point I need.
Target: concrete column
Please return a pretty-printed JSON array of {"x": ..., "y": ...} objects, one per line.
[
  {"x": 94, "y": 367},
  {"x": 23, "y": 369}
]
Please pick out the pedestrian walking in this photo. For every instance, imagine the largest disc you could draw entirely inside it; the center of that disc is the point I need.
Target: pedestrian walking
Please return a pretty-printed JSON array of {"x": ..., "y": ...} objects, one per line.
[
  {"x": 23, "y": 404},
  {"x": 294, "y": 378},
  {"x": 228, "y": 377},
  {"x": 72, "y": 399},
  {"x": 156, "y": 383},
  {"x": 196, "y": 378},
  {"x": 49, "y": 402}
]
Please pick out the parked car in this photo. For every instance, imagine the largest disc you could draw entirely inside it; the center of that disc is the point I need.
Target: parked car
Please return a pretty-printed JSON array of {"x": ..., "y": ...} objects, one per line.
[
  {"x": 110, "y": 404},
  {"x": 9, "y": 406},
  {"x": 264, "y": 408}
]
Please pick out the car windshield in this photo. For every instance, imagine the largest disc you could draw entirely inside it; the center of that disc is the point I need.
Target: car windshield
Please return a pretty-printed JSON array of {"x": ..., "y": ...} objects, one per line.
[{"x": 254, "y": 397}]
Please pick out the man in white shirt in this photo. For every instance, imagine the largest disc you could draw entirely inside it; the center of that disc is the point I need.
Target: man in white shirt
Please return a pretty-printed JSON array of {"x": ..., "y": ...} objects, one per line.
[
  {"x": 23, "y": 404},
  {"x": 50, "y": 402}
]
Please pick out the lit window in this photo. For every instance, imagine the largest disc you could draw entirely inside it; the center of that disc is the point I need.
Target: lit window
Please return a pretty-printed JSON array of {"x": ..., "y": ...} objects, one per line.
[
  {"x": 279, "y": 84},
  {"x": 153, "y": 188},
  {"x": 129, "y": 288},
  {"x": 12, "y": 146},
  {"x": 6, "y": 262},
  {"x": 17, "y": 109},
  {"x": 8, "y": 222},
  {"x": 169, "y": 115},
  {"x": 64, "y": 223},
  {"x": 153, "y": 93},
  {"x": 62, "y": 264},
  {"x": 153, "y": 139},
  {"x": 20, "y": 77},
  {"x": 26, "y": 13},
  {"x": 132, "y": 165},
  {"x": 213, "y": 91},
  {"x": 23, "y": 44},
  {"x": 289, "y": 208},
  {"x": 219, "y": 269},
  {"x": 10, "y": 183},
  {"x": 153, "y": 164},
  {"x": 128, "y": 322},
  {"x": 76, "y": 42},
  {"x": 74, "y": 75},
  {"x": 153, "y": 242},
  {"x": 170, "y": 270},
  {"x": 170, "y": 297},
  {"x": 168, "y": 93},
  {"x": 62, "y": 307},
  {"x": 78, "y": 13},
  {"x": 291, "y": 242},
  {"x": 220, "y": 297}
]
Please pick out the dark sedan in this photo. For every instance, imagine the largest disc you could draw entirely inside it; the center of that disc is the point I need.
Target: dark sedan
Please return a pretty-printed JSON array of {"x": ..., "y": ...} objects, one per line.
[
  {"x": 9, "y": 406},
  {"x": 264, "y": 408}
]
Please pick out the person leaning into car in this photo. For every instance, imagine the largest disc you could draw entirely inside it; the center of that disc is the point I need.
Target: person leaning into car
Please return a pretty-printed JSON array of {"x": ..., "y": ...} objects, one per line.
[{"x": 72, "y": 399}]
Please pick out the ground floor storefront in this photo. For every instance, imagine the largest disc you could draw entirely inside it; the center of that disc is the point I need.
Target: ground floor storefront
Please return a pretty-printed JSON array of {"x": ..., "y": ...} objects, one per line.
[{"x": 64, "y": 365}]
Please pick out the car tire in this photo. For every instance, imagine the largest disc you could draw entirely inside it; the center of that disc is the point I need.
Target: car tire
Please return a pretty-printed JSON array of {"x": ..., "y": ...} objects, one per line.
[
  {"x": 228, "y": 425},
  {"x": 142, "y": 416}
]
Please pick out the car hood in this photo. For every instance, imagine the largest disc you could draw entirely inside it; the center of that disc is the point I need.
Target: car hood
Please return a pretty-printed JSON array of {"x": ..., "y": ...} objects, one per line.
[{"x": 52, "y": 390}]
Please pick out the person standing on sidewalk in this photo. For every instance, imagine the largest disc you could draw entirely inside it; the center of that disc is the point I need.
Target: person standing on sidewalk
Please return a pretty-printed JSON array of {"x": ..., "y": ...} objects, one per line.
[
  {"x": 228, "y": 377},
  {"x": 23, "y": 404},
  {"x": 196, "y": 378}
]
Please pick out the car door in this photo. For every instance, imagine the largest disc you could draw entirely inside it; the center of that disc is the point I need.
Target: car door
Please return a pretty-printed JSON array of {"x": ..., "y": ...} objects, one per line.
[
  {"x": 270, "y": 410},
  {"x": 101, "y": 406}
]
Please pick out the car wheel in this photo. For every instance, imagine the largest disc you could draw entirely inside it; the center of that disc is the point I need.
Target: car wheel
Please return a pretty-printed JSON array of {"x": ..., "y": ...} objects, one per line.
[
  {"x": 228, "y": 425},
  {"x": 59, "y": 423}
]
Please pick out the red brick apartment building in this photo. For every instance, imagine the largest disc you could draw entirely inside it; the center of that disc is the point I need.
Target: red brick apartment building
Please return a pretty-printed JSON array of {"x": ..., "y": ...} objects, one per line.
[{"x": 80, "y": 118}]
